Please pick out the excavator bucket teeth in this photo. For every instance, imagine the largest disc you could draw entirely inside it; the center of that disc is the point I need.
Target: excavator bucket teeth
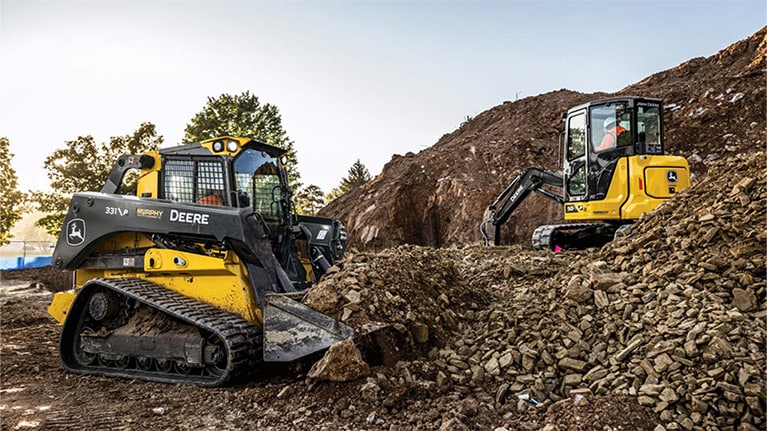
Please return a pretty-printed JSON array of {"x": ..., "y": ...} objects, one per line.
[{"x": 293, "y": 330}]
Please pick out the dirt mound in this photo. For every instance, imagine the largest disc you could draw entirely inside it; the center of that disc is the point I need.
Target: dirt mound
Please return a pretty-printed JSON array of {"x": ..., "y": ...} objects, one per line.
[{"x": 715, "y": 108}]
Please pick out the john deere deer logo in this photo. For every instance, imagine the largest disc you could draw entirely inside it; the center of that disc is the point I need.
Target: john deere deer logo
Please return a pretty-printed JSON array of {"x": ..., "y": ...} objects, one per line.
[
  {"x": 76, "y": 232},
  {"x": 672, "y": 177}
]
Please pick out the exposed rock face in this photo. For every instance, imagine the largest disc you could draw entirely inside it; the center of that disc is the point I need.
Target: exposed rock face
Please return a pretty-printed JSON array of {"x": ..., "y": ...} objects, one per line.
[{"x": 715, "y": 108}]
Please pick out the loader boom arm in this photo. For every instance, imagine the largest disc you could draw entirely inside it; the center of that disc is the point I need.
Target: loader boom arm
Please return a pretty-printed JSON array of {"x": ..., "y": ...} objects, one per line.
[{"x": 528, "y": 180}]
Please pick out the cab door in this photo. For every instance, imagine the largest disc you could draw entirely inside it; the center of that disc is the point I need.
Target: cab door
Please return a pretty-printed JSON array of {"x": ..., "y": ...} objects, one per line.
[
  {"x": 576, "y": 163},
  {"x": 608, "y": 144}
]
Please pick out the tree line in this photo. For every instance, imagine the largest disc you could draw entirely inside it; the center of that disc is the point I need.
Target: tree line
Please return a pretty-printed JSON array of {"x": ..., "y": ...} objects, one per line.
[{"x": 84, "y": 165}]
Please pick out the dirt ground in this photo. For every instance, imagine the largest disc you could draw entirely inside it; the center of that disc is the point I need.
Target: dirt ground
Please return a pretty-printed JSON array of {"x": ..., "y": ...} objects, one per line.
[{"x": 36, "y": 393}]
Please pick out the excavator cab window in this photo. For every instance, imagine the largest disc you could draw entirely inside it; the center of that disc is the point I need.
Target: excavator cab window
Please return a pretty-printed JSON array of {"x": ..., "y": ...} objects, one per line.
[
  {"x": 610, "y": 126},
  {"x": 257, "y": 175},
  {"x": 576, "y": 136},
  {"x": 575, "y": 182},
  {"x": 611, "y": 138},
  {"x": 649, "y": 134}
]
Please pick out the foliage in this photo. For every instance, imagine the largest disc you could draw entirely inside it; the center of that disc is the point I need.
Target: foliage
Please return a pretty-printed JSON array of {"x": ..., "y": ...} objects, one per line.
[
  {"x": 11, "y": 200},
  {"x": 357, "y": 175},
  {"x": 309, "y": 200},
  {"x": 83, "y": 165},
  {"x": 243, "y": 115}
]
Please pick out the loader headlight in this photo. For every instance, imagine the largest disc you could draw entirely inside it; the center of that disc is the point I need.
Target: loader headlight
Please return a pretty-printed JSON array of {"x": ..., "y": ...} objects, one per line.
[
  {"x": 218, "y": 146},
  {"x": 232, "y": 145}
]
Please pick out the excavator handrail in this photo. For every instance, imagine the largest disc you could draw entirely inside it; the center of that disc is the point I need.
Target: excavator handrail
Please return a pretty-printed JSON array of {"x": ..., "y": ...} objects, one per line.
[{"x": 529, "y": 180}]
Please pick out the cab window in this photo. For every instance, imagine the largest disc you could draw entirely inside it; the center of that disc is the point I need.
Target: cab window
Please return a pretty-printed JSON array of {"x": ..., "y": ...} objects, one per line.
[
  {"x": 576, "y": 136},
  {"x": 194, "y": 181},
  {"x": 649, "y": 129},
  {"x": 576, "y": 183},
  {"x": 257, "y": 176},
  {"x": 610, "y": 127}
]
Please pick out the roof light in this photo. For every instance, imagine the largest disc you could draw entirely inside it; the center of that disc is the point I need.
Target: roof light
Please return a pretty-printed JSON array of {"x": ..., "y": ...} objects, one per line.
[
  {"x": 218, "y": 146},
  {"x": 232, "y": 145}
]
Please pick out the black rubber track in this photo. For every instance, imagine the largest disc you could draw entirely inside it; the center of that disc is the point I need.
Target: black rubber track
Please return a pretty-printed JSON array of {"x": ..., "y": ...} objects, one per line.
[
  {"x": 240, "y": 338},
  {"x": 567, "y": 236}
]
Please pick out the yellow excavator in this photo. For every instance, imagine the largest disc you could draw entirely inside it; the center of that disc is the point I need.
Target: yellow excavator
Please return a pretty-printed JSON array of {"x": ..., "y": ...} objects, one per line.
[
  {"x": 196, "y": 277},
  {"x": 613, "y": 170}
]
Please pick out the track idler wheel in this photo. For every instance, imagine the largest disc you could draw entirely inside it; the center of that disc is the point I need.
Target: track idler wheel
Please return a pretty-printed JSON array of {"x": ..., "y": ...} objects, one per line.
[{"x": 103, "y": 305}]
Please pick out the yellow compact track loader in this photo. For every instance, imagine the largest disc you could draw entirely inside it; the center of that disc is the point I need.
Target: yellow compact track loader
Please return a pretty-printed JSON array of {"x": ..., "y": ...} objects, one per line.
[
  {"x": 198, "y": 277},
  {"x": 614, "y": 169}
]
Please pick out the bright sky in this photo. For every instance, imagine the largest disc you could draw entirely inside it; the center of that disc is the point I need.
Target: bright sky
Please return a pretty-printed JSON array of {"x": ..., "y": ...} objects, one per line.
[{"x": 353, "y": 80}]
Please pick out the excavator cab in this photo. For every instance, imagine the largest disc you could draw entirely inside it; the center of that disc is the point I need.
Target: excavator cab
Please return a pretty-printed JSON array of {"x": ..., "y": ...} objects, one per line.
[
  {"x": 614, "y": 169},
  {"x": 598, "y": 134}
]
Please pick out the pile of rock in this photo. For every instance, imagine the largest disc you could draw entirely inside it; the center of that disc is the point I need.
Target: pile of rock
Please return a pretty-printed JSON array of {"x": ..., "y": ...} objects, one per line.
[
  {"x": 701, "y": 262},
  {"x": 673, "y": 313},
  {"x": 413, "y": 288}
]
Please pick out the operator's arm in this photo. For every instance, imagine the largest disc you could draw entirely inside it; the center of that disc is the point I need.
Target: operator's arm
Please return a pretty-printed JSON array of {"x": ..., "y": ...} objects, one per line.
[{"x": 607, "y": 142}]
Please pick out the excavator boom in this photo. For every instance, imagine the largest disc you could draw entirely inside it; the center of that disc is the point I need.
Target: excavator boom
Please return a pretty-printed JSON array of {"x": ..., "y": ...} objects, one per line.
[{"x": 528, "y": 180}]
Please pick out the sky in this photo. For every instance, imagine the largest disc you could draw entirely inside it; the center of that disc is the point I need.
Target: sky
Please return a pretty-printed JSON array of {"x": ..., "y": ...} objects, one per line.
[{"x": 352, "y": 79}]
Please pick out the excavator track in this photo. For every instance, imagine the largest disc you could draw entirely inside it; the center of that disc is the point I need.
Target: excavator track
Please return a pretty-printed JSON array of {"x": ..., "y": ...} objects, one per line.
[
  {"x": 572, "y": 236},
  {"x": 136, "y": 329}
]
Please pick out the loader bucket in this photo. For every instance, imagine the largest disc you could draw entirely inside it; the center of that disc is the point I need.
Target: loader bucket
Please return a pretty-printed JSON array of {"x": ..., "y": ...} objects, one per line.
[{"x": 293, "y": 330}]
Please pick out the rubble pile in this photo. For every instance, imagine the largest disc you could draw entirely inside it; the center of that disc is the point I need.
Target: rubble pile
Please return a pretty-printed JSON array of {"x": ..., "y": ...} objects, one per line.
[
  {"x": 672, "y": 313},
  {"x": 410, "y": 286},
  {"x": 701, "y": 262}
]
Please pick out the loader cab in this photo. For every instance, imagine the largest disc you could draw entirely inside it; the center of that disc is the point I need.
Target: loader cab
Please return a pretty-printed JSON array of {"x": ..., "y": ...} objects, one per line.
[
  {"x": 598, "y": 134},
  {"x": 259, "y": 181},
  {"x": 227, "y": 171}
]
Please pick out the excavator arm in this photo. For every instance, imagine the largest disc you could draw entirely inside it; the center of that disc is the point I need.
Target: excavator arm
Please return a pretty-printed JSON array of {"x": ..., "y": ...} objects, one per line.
[{"x": 528, "y": 180}]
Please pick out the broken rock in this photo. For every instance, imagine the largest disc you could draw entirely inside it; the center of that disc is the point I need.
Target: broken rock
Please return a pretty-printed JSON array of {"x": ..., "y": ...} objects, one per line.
[{"x": 342, "y": 363}]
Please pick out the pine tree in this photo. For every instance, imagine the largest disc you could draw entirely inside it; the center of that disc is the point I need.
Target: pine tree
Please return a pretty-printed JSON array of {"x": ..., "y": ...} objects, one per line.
[
  {"x": 309, "y": 200},
  {"x": 358, "y": 175}
]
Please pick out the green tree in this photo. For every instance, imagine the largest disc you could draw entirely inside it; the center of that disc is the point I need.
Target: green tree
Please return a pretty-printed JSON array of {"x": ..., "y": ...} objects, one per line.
[
  {"x": 11, "y": 200},
  {"x": 83, "y": 165},
  {"x": 244, "y": 115},
  {"x": 357, "y": 175},
  {"x": 310, "y": 199}
]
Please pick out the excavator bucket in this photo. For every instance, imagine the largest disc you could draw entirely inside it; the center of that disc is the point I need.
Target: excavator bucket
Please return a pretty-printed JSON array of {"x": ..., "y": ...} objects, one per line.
[{"x": 293, "y": 330}]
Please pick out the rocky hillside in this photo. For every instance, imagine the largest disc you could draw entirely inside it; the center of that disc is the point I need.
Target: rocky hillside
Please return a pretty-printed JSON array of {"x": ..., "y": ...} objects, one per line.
[{"x": 715, "y": 107}]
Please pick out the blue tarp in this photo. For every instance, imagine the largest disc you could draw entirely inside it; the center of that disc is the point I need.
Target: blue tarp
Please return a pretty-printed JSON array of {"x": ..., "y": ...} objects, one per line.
[{"x": 11, "y": 263}]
